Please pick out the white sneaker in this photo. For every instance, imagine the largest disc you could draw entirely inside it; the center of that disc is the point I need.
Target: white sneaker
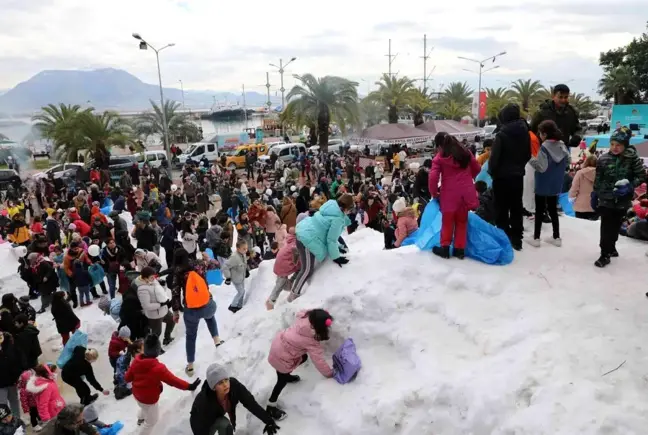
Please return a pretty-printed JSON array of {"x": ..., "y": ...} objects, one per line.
[
  {"x": 533, "y": 242},
  {"x": 556, "y": 242},
  {"x": 37, "y": 428}
]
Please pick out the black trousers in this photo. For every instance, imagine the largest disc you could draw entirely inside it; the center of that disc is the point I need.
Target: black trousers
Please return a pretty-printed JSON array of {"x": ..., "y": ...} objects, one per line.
[
  {"x": 611, "y": 220},
  {"x": 588, "y": 215},
  {"x": 34, "y": 417},
  {"x": 549, "y": 204},
  {"x": 508, "y": 206},
  {"x": 81, "y": 388},
  {"x": 283, "y": 379}
]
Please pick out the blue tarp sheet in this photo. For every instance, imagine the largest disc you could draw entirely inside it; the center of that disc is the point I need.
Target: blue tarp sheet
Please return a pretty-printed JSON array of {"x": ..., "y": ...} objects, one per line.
[
  {"x": 486, "y": 243},
  {"x": 107, "y": 206},
  {"x": 563, "y": 201},
  {"x": 79, "y": 338}
]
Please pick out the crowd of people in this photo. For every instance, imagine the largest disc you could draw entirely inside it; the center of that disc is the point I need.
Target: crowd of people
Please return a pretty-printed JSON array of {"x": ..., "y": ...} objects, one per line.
[{"x": 75, "y": 248}]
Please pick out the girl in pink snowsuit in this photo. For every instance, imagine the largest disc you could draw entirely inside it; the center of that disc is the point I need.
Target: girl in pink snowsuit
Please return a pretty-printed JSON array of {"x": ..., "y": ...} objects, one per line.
[{"x": 457, "y": 168}]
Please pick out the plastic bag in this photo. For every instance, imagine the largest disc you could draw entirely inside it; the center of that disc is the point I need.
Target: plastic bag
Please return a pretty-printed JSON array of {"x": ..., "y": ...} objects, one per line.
[
  {"x": 107, "y": 206},
  {"x": 346, "y": 362},
  {"x": 567, "y": 207},
  {"x": 79, "y": 338},
  {"x": 97, "y": 273}
]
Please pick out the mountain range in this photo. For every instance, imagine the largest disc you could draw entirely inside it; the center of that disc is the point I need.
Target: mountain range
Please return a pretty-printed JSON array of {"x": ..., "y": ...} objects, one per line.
[{"x": 104, "y": 89}]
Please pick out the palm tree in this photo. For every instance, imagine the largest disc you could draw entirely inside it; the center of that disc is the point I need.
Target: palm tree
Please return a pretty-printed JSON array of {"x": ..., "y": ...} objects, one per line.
[
  {"x": 525, "y": 92},
  {"x": 453, "y": 110},
  {"x": 620, "y": 84},
  {"x": 325, "y": 99},
  {"x": 458, "y": 92},
  {"x": 371, "y": 112},
  {"x": 394, "y": 93},
  {"x": 420, "y": 103},
  {"x": 60, "y": 125},
  {"x": 582, "y": 103},
  {"x": 497, "y": 94},
  {"x": 179, "y": 124}
]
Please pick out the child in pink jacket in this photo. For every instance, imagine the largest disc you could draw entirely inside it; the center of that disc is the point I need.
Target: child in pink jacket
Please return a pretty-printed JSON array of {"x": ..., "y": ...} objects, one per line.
[
  {"x": 290, "y": 348},
  {"x": 48, "y": 398},
  {"x": 286, "y": 264},
  {"x": 406, "y": 222},
  {"x": 457, "y": 168},
  {"x": 27, "y": 398}
]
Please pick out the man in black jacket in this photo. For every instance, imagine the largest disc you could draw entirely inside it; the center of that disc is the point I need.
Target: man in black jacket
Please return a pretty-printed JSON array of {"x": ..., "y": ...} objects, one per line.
[
  {"x": 218, "y": 398},
  {"x": 510, "y": 153},
  {"x": 562, "y": 113},
  {"x": 26, "y": 339},
  {"x": 145, "y": 235}
]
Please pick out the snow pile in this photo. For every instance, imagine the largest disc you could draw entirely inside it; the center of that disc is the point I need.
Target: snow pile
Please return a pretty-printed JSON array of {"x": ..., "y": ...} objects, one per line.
[{"x": 448, "y": 347}]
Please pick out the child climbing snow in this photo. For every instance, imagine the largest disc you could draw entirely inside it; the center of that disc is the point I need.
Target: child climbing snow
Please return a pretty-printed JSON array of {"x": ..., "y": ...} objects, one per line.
[
  {"x": 235, "y": 270},
  {"x": 286, "y": 264},
  {"x": 549, "y": 165},
  {"x": 291, "y": 348},
  {"x": 118, "y": 343},
  {"x": 457, "y": 169},
  {"x": 78, "y": 368}
]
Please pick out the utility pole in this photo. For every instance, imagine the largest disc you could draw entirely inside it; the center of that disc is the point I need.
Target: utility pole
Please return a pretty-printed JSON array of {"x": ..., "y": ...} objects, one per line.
[
  {"x": 268, "y": 87},
  {"x": 426, "y": 56},
  {"x": 245, "y": 107},
  {"x": 391, "y": 58}
]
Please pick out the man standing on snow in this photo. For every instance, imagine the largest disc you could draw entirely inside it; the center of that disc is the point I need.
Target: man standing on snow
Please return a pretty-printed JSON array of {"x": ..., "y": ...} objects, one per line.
[{"x": 562, "y": 113}]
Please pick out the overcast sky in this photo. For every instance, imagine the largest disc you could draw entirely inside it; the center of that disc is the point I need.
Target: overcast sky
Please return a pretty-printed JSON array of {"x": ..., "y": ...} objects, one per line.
[{"x": 222, "y": 45}]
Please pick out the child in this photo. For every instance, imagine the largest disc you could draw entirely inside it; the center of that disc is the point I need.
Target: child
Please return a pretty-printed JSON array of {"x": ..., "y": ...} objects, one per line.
[
  {"x": 147, "y": 374},
  {"x": 259, "y": 237},
  {"x": 66, "y": 321},
  {"x": 406, "y": 222},
  {"x": 118, "y": 343},
  {"x": 9, "y": 424},
  {"x": 28, "y": 398},
  {"x": 37, "y": 226},
  {"x": 281, "y": 235},
  {"x": 78, "y": 368},
  {"x": 83, "y": 282},
  {"x": 25, "y": 308},
  {"x": 486, "y": 209},
  {"x": 549, "y": 165},
  {"x": 243, "y": 229},
  {"x": 254, "y": 258},
  {"x": 110, "y": 306},
  {"x": 457, "y": 167},
  {"x": 26, "y": 339},
  {"x": 49, "y": 402},
  {"x": 290, "y": 348},
  {"x": 158, "y": 235},
  {"x": 617, "y": 174},
  {"x": 286, "y": 264},
  {"x": 235, "y": 270},
  {"x": 271, "y": 254},
  {"x": 123, "y": 388}
]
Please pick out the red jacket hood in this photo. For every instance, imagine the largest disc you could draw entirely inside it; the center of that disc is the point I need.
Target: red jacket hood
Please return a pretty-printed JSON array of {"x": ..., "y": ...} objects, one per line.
[{"x": 147, "y": 376}]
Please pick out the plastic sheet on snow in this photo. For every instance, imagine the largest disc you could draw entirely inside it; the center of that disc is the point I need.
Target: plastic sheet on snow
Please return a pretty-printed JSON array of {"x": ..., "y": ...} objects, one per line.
[{"x": 486, "y": 243}]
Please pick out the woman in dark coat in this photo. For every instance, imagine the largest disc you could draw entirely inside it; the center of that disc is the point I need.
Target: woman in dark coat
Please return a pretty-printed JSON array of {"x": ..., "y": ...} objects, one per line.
[
  {"x": 78, "y": 368},
  {"x": 11, "y": 366},
  {"x": 66, "y": 321},
  {"x": 131, "y": 314}
]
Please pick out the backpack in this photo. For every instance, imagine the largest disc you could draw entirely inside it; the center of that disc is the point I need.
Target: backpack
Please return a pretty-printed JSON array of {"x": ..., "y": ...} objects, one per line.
[
  {"x": 346, "y": 362},
  {"x": 196, "y": 291}
]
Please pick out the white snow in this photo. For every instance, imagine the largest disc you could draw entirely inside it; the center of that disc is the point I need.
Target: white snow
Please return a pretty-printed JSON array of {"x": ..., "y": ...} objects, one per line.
[{"x": 448, "y": 346}]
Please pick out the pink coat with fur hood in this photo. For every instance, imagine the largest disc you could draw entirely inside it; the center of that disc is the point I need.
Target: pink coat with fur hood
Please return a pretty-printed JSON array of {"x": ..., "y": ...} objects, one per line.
[
  {"x": 291, "y": 344},
  {"x": 27, "y": 399},
  {"x": 284, "y": 263},
  {"x": 48, "y": 398},
  {"x": 405, "y": 225}
]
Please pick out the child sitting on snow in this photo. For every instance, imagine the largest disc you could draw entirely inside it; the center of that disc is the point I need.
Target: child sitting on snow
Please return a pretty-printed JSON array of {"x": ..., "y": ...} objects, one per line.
[{"x": 405, "y": 221}]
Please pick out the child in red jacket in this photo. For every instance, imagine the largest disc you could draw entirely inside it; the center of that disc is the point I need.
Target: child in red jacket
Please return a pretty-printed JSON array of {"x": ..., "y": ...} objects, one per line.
[
  {"x": 147, "y": 374},
  {"x": 118, "y": 344}
]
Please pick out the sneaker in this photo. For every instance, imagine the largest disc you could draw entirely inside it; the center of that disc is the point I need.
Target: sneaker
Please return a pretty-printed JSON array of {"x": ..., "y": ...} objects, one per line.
[
  {"x": 189, "y": 370},
  {"x": 90, "y": 399},
  {"x": 459, "y": 253},
  {"x": 233, "y": 309},
  {"x": 516, "y": 244},
  {"x": 292, "y": 297},
  {"x": 269, "y": 305},
  {"x": 556, "y": 242},
  {"x": 533, "y": 242},
  {"x": 167, "y": 341},
  {"x": 37, "y": 428},
  {"x": 615, "y": 254},
  {"x": 276, "y": 413},
  {"x": 603, "y": 261},
  {"x": 441, "y": 251}
]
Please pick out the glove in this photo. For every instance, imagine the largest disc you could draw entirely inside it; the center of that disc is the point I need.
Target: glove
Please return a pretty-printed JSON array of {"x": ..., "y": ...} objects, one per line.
[
  {"x": 228, "y": 281},
  {"x": 340, "y": 261},
  {"x": 622, "y": 188},
  {"x": 594, "y": 201},
  {"x": 271, "y": 429},
  {"x": 194, "y": 385},
  {"x": 344, "y": 249},
  {"x": 247, "y": 273}
]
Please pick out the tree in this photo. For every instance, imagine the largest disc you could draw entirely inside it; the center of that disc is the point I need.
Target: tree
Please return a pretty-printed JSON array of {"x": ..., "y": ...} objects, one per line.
[
  {"x": 102, "y": 132},
  {"x": 496, "y": 99},
  {"x": 458, "y": 92},
  {"x": 179, "y": 124},
  {"x": 582, "y": 104},
  {"x": 620, "y": 84},
  {"x": 453, "y": 110},
  {"x": 634, "y": 57},
  {"x": 420, "y": 103},
  {"x": 60, "y": 124},
  {"x": 371, "y": 112},
  {"x": 525, "y": 92},
  {"x": 497, "y": 94},
  {"x": 395, "y": 94},
  {"x": 325, "y": 99}
]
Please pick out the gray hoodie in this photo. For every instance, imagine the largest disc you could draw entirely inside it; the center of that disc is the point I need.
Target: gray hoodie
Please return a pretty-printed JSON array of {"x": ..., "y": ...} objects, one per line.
[
  {"x": 556, "y": 150},
  {"x": 235, "y": 268}
]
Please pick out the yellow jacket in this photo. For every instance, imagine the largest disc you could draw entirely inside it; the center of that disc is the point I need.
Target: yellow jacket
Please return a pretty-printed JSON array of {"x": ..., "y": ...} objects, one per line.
[
  {"x": 15, "y": 209},
  {"x": 19, "y": 235}
]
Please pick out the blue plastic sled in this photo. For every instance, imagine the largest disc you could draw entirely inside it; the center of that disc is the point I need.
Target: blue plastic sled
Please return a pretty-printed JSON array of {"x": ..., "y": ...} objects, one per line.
[
  {"x": 97, "y": 273},
  {"x": 113, "y": 429},
  {"x": 107, "y": 206},
  {"x": 214, "y": 276},
  {"x": 485, "y": 176},
  {"x": 79, "y": 338},
  {"x": 568, "y": 208},
  {"x": 486, "y": 243}
]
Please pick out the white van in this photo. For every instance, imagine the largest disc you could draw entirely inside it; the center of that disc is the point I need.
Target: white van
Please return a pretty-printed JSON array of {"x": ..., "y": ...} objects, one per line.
[
  {"x": 334, "y": 146},
  {"x": 153, "y": 158},
  {"x": 286, "y": 152},
  {"x": 199, "y": 150}
]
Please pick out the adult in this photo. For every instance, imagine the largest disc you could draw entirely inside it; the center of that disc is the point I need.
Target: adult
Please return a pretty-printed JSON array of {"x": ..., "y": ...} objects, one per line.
[
  {"x": 45, "y": 278},
  {"x": 145, "y": 235},
  {"x": 75, "y": 252},
  {"x": 155, "y": 304},
  {"x": 69, "y": 421},
  {"x": 11, "y": 367},
  {"x": 562, "y": 113},
  {"x": 218, "y": 399},
  {"x": 288, "y": 212},
  {"x": 78, "y": 370},
  {"x": 510, "y": 153},
  {"x": 119, "y": 224},
  {"x": 198, "y": 303},
  {"x": 146, "y": 258},
  {"x": 113, "y": 259}
]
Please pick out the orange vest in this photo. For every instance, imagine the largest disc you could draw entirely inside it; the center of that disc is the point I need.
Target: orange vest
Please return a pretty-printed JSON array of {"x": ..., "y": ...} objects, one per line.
[{"x": 196, "y": 291}]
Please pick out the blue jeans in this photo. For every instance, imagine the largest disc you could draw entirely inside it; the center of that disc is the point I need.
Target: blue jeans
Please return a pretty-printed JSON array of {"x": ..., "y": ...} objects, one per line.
[
  {"x": 192, "y": 318},
  {"x": 84, "y": 292},
  {"x": 237, "y": 302},
  {"x": 112, "y": 284}
]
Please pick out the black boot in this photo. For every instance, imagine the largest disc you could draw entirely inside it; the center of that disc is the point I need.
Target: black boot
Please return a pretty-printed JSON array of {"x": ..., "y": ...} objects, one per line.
[
  {"x": 603, "y": 261},
  {"x": 614, "y": 253},
  {"x": 459, "y": 253},
  {"x": 441, "y": 251}
]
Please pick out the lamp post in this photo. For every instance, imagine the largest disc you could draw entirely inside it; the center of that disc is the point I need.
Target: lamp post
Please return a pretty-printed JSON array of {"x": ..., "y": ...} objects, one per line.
[
  {"x": 182, "y": 90},
  {"x": 481, "y": 71},
  {"x": 143, "y": 45},
  {"x": 281, "y": 69}
]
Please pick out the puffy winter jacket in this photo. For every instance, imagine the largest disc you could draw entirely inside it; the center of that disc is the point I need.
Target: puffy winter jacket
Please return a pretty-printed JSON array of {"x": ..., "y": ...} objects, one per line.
[
  {"x": 26, "y": 340},
  {"x": 320, "y": 232},
  {"x": 457, "y": 186},
  {"x": 405, "y": 225},
  {"x": 49, "y": 401},
  {"x": 285, "y": 263},
  {"x": 27, "y": 398},
  {"x": 512, "y": 147},
  {"x": 11, "y": 365},
  {"x": 611, "y": 168},
  {"x": 550, "y": 165},
  {"x": 213, "y": 235},
  {"x": 291, "y": 344},
  {"x": 235, "y": 267},
  {"x": 152, "y": 296},
  {"x": 189, "y": 241},
  {"x": 116, "y": 346},
  {"x": 565, "y": 117},
  {"x": 147, "y": 376},
  {"x": 581, "y": 189}
]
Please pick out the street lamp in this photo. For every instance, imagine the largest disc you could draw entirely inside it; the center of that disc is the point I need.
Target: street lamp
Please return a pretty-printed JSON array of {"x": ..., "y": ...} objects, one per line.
[
  {"x": 481, "y": 71},
  {"x": 143, "y": 45},
  {"x": 281, "y": 69},
  {"x": 182, "y": 90}
]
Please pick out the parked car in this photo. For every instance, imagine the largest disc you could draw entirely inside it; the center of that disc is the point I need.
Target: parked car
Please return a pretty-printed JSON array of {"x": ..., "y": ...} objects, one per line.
[
  {"x": 199, "y": 150},
  {"x": 334, "y": 146},
  {"x": 9, "y": 176},
  {"x": 489, "y": 131},
  {"x": 61, "y": 170},
  {"x": 153, "y": 158},
  {"x": 286, "y": 152},
  {"x": 236, "y": 157}
]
